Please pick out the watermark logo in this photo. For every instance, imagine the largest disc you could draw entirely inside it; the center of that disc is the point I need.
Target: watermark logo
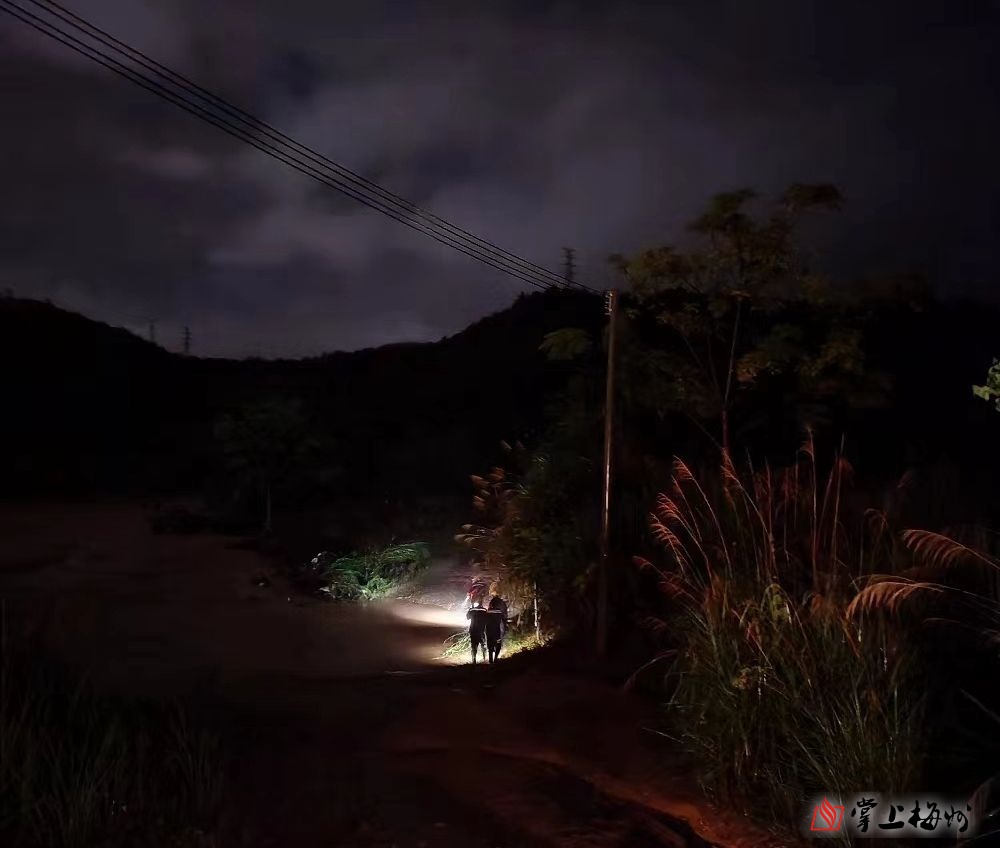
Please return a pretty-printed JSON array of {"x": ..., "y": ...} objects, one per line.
[
  {"x": 875, "y": 815},
  {"x": 826, "y": 817}
]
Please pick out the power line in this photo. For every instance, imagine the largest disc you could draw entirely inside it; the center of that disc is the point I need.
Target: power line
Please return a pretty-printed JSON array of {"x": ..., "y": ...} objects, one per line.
[
  {"x": 277, "y": 144},
  {"x": 275, "y": 152},
  {"x": 109, "y": 40}
]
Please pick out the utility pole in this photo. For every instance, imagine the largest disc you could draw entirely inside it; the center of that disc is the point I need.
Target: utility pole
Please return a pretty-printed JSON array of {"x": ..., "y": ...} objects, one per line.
[
  {"x": 611, "y": 308},
  {"x": 152, "y": 330},
  {"x": 187, "y": 341},
  {"x": 569, "y": 266}
]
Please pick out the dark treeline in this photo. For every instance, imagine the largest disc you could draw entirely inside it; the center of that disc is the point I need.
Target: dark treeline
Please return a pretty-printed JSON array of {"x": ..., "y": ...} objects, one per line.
[{"x": 92, "y": 410}]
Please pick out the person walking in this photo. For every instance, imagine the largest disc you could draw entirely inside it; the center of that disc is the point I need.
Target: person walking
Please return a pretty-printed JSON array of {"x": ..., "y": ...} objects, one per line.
[
  {"x": 496, "y": 626},
  {"x": 477, "y": 616}
]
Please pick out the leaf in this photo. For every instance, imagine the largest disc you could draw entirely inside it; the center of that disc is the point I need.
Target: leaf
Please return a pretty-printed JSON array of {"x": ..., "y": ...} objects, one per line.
[{"x": 992, "y": 388}]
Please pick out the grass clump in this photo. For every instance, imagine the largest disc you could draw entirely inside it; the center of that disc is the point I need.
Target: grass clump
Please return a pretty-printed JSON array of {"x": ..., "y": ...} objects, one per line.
[
  {"x": 777, "y": 688},
  {"x": 459, "y": 645},
  {"x": 78, "y": 770},
  {"x": 377, "y": 573}
]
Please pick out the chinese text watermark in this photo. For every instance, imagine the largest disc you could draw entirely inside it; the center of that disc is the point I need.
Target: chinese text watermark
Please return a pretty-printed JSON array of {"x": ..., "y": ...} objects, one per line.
[{"x": 874, "y": 815}]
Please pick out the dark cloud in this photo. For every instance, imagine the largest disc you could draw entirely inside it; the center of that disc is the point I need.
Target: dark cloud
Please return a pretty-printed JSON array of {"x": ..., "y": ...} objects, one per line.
[{"x": 538, "y": 125}]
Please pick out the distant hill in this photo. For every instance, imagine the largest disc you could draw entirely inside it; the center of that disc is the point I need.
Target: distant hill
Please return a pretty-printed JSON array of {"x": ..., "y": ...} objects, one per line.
[{"x": 90, "y": 408}]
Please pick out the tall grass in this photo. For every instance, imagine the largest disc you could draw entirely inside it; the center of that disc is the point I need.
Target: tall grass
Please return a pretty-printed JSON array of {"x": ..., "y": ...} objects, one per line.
[
  {"x": 776, "y": 689},
  {"x": 373, "y": 574},
  {"x": 516, "y": 640},
  {"x": 78, "y": 770},
  {"x": 952, "y": 591}
]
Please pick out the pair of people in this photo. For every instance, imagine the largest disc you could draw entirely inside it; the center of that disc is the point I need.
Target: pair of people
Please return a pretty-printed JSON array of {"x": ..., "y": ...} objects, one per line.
[{"x": 487, "y": 627}]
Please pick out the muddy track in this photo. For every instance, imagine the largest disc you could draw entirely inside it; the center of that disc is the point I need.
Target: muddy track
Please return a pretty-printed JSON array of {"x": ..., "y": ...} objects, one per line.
[
  {"x": 419, "y": 761},
  {"x": 342, "y": 726}
]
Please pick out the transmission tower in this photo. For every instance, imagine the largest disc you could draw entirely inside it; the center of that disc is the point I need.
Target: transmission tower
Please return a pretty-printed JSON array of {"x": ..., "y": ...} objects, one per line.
[{"x": 569, "y": 266}]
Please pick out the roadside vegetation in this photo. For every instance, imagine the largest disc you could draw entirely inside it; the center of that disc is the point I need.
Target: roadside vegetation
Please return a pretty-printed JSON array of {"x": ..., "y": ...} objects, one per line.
[
  {"x": 804, "y": 634},
  {"x": 778, "y": 686},
  {"x": 815, "y": 643},
  {"x": 368, "y": 576},
  {"x": 531, "y": 537},
  {"x": 81, "y": 770},
  {"x": 517, "y": 640}
]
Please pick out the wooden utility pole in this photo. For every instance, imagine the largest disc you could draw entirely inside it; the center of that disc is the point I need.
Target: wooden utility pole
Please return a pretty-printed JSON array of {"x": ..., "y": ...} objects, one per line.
[
  {"x": 187, "y": 341},
  {"x": 611, "y": 308}
]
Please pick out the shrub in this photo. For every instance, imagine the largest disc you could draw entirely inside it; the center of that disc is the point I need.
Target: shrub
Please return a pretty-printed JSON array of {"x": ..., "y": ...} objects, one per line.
[
  {"x": 534, "y": 532},
  {"x": 378, "y": 573}
]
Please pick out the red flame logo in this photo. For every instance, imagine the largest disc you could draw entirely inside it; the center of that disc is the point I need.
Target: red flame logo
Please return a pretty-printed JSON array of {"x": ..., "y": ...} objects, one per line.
[{"x": 827, "y": 817}]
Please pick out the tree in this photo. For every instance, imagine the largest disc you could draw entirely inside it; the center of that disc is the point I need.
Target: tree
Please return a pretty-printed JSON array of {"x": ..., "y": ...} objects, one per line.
[
  {"x": 264, "y": 443},
  {"x": 991, "y": 391},
  {"x": 738, "y": 309}
]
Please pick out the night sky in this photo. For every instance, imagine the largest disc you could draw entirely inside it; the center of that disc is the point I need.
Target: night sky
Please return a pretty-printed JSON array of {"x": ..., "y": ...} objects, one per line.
[{"x": 603, "y": 126}]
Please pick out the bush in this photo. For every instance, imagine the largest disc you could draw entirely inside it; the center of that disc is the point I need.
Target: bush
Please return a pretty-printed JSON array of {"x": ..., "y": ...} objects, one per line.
[
  {"x": 375, "y": 574},
  {"x": 535, "y": 535}
]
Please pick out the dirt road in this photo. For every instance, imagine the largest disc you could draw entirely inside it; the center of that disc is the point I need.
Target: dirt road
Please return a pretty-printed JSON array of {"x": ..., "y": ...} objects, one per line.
[{"x": 346, "y": 729}]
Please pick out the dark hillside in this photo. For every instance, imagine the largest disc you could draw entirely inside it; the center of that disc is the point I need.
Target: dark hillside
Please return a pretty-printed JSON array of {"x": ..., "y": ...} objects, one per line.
[
  {"x": 84, "y": 403},
  {"x": 92, "y": 409}
]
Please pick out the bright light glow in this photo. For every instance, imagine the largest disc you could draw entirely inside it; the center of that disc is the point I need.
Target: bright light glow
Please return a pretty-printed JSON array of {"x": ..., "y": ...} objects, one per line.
[{"x": 430, "y": 614}]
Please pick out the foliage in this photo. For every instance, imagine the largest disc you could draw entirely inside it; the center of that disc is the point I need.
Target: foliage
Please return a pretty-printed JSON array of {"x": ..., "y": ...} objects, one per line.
[
  {"x": 777, "y": 690},
  {"x": 951, "y": 589},
  {"x": 990, "y": 391},
  {"x": 516, "y": 641},
  {"x": 535, "y": 531},
  {"x": 263, "y": 444},
  {"x": 741, "y": 310},
  {"x": 371, "y": 575},
  {"x": 733, "y": 314},
  {"x": 497, "y": 500},
  {"x": 79, "y": 770}
]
